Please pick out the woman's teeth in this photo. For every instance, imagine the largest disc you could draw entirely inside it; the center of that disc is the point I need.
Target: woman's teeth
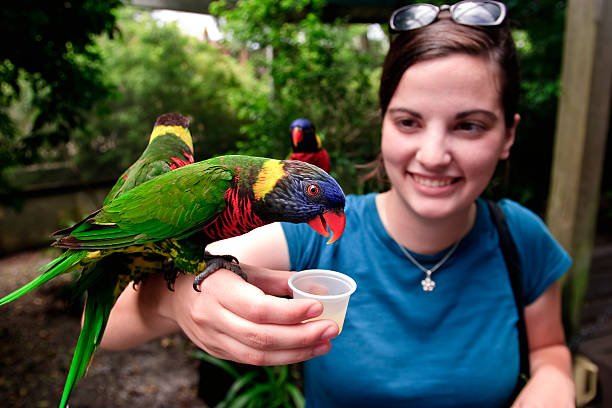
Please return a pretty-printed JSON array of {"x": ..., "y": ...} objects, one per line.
[{"x": 433, "y": 182}]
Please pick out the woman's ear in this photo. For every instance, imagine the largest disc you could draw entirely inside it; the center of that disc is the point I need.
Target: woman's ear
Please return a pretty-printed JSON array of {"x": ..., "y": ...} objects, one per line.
[{"x": 510, "y": 136}]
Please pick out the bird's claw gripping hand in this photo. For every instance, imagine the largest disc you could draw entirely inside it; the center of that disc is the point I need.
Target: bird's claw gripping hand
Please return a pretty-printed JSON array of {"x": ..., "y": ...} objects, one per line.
[
  {"x": 170, "y": 274},
  {"x": 215, "y": 262}
]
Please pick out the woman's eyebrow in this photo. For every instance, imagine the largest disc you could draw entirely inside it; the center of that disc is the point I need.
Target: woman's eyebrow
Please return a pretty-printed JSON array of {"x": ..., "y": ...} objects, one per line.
[
  {"x": 462, "y": 115},
  {"x": 405, "y": 110}
]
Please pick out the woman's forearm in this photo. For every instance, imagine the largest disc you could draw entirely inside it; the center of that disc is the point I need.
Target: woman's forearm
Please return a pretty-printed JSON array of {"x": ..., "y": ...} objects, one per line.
[
  {"x": 136, "y": 317},
  {"x": 555, "y": 356}
]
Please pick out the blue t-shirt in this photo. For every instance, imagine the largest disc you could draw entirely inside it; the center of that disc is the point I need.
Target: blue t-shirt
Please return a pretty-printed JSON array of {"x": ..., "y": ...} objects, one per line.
[{"x": 403, "y": 347}]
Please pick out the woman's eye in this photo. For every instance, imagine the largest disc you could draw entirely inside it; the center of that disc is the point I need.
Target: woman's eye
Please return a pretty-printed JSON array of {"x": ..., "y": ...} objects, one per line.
[
  {"x": 471, "y": 127},
  {"x": 406, "y": 123}
]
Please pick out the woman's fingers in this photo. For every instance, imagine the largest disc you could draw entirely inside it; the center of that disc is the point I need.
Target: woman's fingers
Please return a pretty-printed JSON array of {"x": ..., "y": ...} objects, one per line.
[
  {"x": 283, "y": 337},
  {"x": 251, "y": 303},
  {"x": 242, "y": 353}
]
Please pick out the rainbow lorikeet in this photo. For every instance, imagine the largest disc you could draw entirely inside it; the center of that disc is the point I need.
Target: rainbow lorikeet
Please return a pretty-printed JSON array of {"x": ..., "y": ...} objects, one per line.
[
  {"x": 175, "y": 215},
  {"x": 306, "y": 145},
  {"x": 170, "y": 146}
]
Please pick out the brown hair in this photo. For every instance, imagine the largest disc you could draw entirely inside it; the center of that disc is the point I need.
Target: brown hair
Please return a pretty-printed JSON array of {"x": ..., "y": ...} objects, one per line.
[{"x": 445, "y": 37}]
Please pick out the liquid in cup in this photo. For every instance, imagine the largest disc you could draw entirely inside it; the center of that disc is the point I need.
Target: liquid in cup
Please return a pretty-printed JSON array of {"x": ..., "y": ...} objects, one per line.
[{"x": 332, "y": 289}]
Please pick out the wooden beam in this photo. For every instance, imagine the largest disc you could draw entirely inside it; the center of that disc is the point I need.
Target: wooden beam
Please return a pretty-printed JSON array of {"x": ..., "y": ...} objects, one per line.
[{"x": 582, "y": 124}]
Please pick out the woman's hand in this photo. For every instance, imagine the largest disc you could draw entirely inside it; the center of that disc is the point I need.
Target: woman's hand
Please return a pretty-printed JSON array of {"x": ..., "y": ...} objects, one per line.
[
  {"x": 231, "y": 319},
  {"x": 548, "y": 388},
  {"x": 235, "y": 320}
]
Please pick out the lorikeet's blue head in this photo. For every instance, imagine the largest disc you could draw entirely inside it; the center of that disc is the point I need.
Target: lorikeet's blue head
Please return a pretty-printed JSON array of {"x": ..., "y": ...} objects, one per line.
[
  {"x": 302, "y": 193},
  {"x": 303, "y": 136}
]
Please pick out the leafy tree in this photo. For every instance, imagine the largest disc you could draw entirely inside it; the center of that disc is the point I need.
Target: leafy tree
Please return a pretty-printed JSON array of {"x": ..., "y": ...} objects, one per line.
[
  {"x": 325, "y": 72},
  {"x": 49, "y": 59},
  {"x": 157, "y": 69}
]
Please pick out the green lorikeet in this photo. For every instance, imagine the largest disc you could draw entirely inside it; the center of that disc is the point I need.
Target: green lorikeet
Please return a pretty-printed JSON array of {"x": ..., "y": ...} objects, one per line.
[{"x": 175, "y": 215}]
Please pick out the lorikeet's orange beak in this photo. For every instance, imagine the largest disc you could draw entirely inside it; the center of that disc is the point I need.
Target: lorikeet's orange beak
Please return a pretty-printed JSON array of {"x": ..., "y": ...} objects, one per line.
[
  {"x": 334, "y": 219},
  {"x": 296, "y": 136}
]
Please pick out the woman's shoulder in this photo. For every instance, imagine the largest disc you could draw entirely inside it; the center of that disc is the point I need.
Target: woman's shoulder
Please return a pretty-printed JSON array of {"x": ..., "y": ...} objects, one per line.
[
  {"x": 526, "y": 227},
  {"x": 520, "y": 217},
  {"x": 542, "y": 258}
]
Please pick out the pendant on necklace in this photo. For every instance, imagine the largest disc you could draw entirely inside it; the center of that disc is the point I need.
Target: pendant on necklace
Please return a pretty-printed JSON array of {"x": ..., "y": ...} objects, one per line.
[{"x": 428, "y": 284}]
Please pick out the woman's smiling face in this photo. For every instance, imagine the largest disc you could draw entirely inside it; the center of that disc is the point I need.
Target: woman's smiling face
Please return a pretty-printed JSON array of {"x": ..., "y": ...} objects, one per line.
[{"x": 443, "y": 134}]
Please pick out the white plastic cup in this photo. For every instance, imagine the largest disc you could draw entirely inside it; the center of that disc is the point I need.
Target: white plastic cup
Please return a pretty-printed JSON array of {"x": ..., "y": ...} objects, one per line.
[{"x": 332, "y": 289}]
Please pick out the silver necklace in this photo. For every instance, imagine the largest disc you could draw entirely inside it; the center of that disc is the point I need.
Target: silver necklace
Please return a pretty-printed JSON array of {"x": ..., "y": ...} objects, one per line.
[{"x": 428, "y": 284}]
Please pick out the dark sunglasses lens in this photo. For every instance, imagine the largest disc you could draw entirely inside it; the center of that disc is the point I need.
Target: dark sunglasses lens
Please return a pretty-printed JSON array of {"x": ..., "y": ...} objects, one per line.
[
  {"x": 477, "y": 13},
  {"x": 414, "y": 16}
]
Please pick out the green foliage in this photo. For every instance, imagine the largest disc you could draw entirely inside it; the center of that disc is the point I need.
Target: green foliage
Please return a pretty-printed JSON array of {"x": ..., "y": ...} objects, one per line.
[
  {"x": 326, "y": 72},
  {"x": 157, "y": 69},
  {"x": 260, "y": 387},
  {"x": 49, "y": 59}
]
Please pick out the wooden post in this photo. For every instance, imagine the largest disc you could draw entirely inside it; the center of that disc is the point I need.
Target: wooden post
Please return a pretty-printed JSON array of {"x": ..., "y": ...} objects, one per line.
[{"x": 582, "y": 125}]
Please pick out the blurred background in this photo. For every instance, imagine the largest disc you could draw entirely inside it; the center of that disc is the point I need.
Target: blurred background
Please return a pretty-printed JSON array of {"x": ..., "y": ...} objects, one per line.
[{"x": 82, "y": 82}]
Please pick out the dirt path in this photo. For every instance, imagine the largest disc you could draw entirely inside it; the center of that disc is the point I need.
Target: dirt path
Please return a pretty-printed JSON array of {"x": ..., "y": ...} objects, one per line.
[{"x": 38, "y": 333}]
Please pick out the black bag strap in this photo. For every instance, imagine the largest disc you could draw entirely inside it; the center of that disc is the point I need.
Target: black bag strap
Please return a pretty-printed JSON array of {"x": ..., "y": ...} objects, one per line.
[{"x": 508, "y": 248}]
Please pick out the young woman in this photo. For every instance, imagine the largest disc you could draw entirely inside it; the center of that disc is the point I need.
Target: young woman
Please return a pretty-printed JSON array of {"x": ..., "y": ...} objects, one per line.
[{"x": 433, "y": 322}]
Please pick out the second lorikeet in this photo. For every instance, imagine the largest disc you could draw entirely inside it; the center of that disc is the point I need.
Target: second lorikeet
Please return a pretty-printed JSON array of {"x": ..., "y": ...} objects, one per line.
[
  {"x": 306, "y": 145},
  {"x": 175, "y": 215},
  {"x": 170, "y": 146}
]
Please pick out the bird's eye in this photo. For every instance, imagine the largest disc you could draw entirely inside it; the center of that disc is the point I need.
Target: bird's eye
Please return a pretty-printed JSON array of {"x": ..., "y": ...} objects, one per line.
[{"x": 312, "y": 190}]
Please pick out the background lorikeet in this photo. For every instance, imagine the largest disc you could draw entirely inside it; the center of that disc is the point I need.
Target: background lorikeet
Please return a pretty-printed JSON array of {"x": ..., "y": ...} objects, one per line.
[
  {"x": 175, "y": 215},
  {"x": 306, "y": 145}
]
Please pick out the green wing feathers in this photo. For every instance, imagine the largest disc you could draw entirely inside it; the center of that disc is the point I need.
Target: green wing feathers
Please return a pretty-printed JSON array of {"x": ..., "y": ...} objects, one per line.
[{"x": 173, "y": 205}]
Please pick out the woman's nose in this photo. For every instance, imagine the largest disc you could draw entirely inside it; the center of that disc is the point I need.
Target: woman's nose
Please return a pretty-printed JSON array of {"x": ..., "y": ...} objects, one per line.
[{"x": 433, "y": 151}]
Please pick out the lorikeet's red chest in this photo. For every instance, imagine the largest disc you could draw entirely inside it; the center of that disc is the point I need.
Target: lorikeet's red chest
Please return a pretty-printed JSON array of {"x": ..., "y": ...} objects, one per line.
[
  {"x": 176, "y": 162},
  {"x": 319, "y": 159},
  {"x": 238, "y": 217}
]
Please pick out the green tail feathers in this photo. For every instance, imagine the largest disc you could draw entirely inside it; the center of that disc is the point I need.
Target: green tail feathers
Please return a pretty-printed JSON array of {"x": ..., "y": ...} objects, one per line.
[
  {"x": 58, "y": 266},
  {"x": 100, "y": 300}
]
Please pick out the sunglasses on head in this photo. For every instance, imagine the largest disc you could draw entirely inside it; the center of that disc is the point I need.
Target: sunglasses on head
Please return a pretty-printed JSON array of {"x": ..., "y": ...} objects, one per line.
[{"x": 467, "y": 12}]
